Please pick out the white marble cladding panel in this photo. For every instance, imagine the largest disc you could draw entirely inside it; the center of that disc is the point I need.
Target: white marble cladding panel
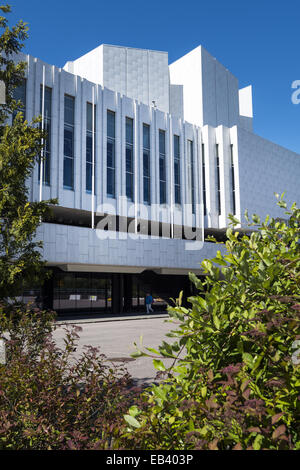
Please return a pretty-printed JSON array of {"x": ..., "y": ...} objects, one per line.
[
  {"x": 210, "y": 91},
  {"x": 66, "y": 244},
  {"x": 176, "y": 101},
  {"x": 220, "y": 93},
  {"x": 89, "y": 66},
  {"x": 264, "y": 169},
  {"x": 137, "y": 73},
  {"x": 159, "y": 80},
  {"x": 114, "y": 69},
  {"x": 187, "y": 71}
]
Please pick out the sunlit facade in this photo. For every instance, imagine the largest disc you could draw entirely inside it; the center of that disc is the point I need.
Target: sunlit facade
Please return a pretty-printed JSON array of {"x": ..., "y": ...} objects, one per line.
[{"x": 145, "y": 158}]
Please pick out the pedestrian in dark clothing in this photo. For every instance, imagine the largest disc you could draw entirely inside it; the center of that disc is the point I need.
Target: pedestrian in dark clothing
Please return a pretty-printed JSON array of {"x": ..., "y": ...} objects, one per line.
[{"x": 149, "y": 302}]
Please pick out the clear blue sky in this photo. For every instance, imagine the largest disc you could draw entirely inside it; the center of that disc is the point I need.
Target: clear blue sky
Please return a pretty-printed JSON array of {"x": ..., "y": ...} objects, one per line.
[{"x": 257, "y": 40}]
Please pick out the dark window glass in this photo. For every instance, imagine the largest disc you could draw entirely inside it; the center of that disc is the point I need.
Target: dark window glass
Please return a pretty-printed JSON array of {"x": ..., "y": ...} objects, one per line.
[
  {"x": 177, "y": 169},
  {"x": 129, "y": 185},
  {"x": 146, "y": 136},
  {"x": 110, "y": 181},
  {"x": 68, "y": 142},
  {"x": 162, "y": 190},
  {"x": 233, "y": 203},
  {"x": 146, "y": 164},
  {"x": 68, "y": 172},
  {"x": 69, "y": 110},
  {"x": 110, "y": 154},
  {"x": 111, "y": 124},
  {"x": 47, "y": 154},
  {"x": 162, "y": 141},
  {"x": 48, "y": 102},
  {"x": 89, "y": 146},
  {"x": 129, "y": 158},
  {"x": 129, "y": 131},
  {"x": 218, "y": 180},
  {"x": 89, "y": 177},
  {"x": 191, "y": 177},
  {"x": 83, "y": 292},
  {"x": 89, "y": 162},
  {"x": 19, "y": 94},
  {"x": 47, "y": 129},
  {"x": 203, "y": 180},
  {"x": 162, "y": 167},
  {"x": 146, "y": 190}
]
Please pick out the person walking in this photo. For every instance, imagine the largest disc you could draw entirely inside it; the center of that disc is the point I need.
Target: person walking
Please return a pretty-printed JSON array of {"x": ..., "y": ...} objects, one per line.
[{"x": 149, "y": 302}]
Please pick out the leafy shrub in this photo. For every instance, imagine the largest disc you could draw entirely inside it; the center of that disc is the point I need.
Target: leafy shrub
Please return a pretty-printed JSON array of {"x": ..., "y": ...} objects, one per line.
[
  {"x": 235, "y": 381},
  {"x": 49, "y": 400}
]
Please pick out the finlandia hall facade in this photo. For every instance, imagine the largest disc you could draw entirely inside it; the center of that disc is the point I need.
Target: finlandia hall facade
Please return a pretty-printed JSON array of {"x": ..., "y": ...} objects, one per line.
[{"x": 146, "y": 159}]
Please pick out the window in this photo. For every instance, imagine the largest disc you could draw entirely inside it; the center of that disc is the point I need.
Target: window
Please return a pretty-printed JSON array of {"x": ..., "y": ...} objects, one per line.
[
  {"x": 218, "y": 180},
  {"x": 233, "y": 204},
  {"x": 69, "y": 142},
  {"x": 191, "y": 178},
  {"x": 19, "y": 94},
  {"x": 47, "y": 129},
  {"x": 162, "y": 168},
  {"x": 110, "y": 153},
  {"x": 89, "y": 145},
  {"x": 177, "y": 169},
  {"x": 84, "y": 292},
  {"x": 146, "y": 164},
  {"x": 129, "y": 158},
  {"x": 203, "y": 180}
]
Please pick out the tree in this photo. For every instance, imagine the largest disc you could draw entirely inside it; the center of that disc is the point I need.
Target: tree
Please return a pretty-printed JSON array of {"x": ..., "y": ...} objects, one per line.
[
  {"x": 20, "y": 150},
  {"x": 235, "y": 382}
]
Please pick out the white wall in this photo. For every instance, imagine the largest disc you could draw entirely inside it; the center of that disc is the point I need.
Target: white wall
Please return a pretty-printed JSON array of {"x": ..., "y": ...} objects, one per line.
[
  {"x": 140, "y": 74},
  {"x": 187, "y": 71},
  {"x": 89, "y": 66},
  {"x": 210, "y": 91},
  {"x": 264, "y": 169},
  {"x": 246, "y": 108},
  {"x": 64, "y": 244}
]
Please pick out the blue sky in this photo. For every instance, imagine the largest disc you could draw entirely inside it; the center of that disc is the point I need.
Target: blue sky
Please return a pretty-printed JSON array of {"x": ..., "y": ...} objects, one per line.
[{"x": 258, "y": 41}]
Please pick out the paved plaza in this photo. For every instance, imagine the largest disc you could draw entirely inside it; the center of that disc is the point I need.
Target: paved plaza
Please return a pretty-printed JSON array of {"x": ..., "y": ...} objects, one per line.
[{"x": 116, "y": 337}]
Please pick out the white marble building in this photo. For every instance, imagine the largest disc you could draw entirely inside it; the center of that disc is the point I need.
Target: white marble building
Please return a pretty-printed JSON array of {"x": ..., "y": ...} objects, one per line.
[{"x": 173, "y": 145}]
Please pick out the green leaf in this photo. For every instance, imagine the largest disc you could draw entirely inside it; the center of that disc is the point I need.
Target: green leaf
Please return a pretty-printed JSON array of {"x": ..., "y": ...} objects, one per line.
[
  {"x": 158, "y": 365},
  {"x": 133, "y": 411},
  {"x": 132, "y": 421},
  {"x": 248, "y": 359},
  {"x": 258, "y": 442},
  {"x": 154, "y": 351},
  {"x": 137, "y": 354},
  {"x": 216, "y": 321}
]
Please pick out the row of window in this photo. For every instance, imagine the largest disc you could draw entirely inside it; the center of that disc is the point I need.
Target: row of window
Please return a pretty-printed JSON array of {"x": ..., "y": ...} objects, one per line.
[
  {"x": 68, "y": 165},
  {"x": 111, "y": 167}
]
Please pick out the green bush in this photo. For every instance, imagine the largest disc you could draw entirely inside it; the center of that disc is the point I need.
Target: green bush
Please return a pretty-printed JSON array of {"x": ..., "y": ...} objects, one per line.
[
  {"x": 49, "y": 400},
  {"x": 235, "y": 381}
]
